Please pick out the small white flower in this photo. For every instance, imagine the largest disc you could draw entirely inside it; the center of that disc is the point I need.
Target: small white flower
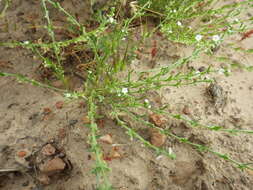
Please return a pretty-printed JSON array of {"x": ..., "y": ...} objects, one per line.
[
  {"x": 197, "y": 72},
  {"x": 221, "y": 71},
  {"x": 179, "y": 23},
  {"x": 46, "y": 65},
  {"x": 146, "y": 101},
  {"x": 26, "y": 42},
  {"x": 67, "y": 95},
  {"x": 149, "y": 106},
  {"x": 89, "y": 72},
  {"x": 124, "y": 90},
  {"x": 236, "y": 20},
  {"x": 174, "y": 10},
  {"x": 111, "y": 20},
  {"x": 216, "y": 38},
  {"x": 198, "y": 37},
  {"x": 170, "y": 31}
]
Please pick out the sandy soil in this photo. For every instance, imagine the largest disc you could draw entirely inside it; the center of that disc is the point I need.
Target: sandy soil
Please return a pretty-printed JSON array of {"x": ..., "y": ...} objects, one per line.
[{"x": 25, "y": 123}]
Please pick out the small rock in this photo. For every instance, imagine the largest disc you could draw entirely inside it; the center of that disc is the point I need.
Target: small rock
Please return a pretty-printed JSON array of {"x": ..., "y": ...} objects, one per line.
[
  {"x": 218, "y": 96},
  {"x": 201, "y": 69},
  {"x": 106, "y": 139},
  {"x": 186, "y": 110},
  {"x": 115, "y": 154},
  {"x": 157, "y": 139},
  {"x": 52, "y": 166},
  {"x": 47, "y": 111},
  {"x": 59, "y": 104},
  {"x": 43, "y": 179},
  {"x": 48, "y": 150},
  {"x": 157, "y": 120},
  {"x": 22, "y": 154}
]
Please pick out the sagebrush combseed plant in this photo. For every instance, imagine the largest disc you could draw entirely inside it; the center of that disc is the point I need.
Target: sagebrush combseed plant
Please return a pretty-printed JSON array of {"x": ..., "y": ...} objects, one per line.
[{"x": 112, "y": 50}]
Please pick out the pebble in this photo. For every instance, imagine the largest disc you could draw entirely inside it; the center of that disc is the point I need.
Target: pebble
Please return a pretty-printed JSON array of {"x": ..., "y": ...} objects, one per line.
[
  {"x": 22, "y": 154},
  {"x": 115, "y": 154},
  {"x": 52, "y": 166},
  {"x": 186, "y": 110},
  {"x": 59, "y": 104},
  {"x": 106, "y": 139},
  {"x": 48, "y": 150},
  {"x": 157, "y": 139},
  {"x": 156, "y": 120},
  {"x": 201, "y": 69}
]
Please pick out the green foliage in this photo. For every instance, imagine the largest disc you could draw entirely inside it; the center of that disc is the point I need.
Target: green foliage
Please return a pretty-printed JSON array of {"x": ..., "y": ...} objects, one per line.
[{"x": 113, "y": 50}]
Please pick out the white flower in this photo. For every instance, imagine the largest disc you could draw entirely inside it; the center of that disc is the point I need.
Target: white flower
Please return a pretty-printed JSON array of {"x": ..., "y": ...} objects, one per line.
[
  {"x": 221, "y": 71},
  {"x": 170, "y": 31},
  {"x": 198, "y": 37},
  {"x": 197, "y": 72},
  {"x": 67, "y": 95},
  {"x": 124, "y": 90},
  {"x": 46, "y": 64},
  {"x": 179, "y": 23},
  {"x": 147, "y": 103},
  {"x": 236, "y": 20},
  {"x": 216, "y": 38},
  {"x": 26, "y": 42},
  {"x": 111, "y": 20},
  {"x": 174, "y": 10}
]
